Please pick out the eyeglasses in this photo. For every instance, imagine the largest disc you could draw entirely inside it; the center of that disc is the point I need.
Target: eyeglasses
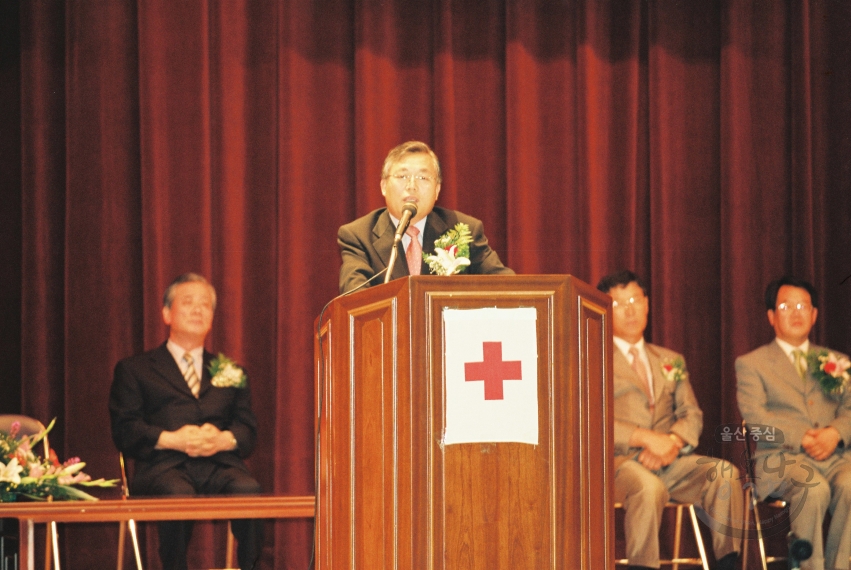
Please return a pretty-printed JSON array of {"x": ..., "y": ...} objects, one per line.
[
  {"x": 415, "y": 178},
  {"x": 788, "y": 308},
  {"x": 631, "y": 302}
]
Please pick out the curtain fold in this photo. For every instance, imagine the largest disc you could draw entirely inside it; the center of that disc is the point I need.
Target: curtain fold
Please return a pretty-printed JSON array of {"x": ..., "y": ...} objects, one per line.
[{"x": 703, "y": 144}]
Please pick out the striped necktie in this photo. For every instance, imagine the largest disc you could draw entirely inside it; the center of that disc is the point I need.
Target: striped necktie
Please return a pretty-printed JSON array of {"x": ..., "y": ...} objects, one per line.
[
  {"x": 800, "y": 362},
  {"x": 191, "y": 375}
]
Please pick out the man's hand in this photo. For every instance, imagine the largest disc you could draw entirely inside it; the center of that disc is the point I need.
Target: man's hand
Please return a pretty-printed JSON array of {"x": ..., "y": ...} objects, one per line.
[
  {"x": 659, "y": 450},
  {"x": 821, "y": 443},
  {"x": 196, "y": 441}
]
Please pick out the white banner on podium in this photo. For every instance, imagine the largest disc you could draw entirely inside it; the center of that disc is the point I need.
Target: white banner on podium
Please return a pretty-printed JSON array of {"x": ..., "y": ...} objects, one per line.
[{"x": 491, "y": 358}]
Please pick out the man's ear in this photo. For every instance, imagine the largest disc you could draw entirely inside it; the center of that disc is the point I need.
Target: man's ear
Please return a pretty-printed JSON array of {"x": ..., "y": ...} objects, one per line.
[
  {"x": 167, "y": 315},
  {"x": 771, "y": 316}
]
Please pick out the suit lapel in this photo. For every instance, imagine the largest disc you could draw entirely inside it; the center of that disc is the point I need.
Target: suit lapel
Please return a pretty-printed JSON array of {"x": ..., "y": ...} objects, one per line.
[
  {"x": 623, "y": 368},
  {"x": 434, "y": 228},
  {"x": 785, "y": 370},
  {"x": 163, "y": 364},
  {"x": 656, "y": 370},
  {"x": 205, "y": 375},
  {"x": 382, "y": 234}
]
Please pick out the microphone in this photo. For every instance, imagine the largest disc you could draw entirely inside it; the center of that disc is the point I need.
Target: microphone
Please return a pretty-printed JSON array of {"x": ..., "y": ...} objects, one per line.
[
  {"x": 409, "y": 210},
  {"x": 800, "y": 549}
]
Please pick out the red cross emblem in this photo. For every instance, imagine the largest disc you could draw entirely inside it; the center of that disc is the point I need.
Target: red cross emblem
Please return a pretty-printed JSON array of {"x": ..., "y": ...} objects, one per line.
[{"x": 493, "y": 370}]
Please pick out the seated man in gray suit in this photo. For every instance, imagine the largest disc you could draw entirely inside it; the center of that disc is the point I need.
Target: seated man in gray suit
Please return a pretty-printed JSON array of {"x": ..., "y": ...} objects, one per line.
[
  {"x": 808, "y": 466},
  {"x": 411, "y": 174},
  {"x": 657, "y": 425}
]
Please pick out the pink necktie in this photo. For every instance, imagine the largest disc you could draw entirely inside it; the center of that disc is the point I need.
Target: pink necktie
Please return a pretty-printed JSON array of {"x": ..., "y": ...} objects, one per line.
[
  {"x": 414, "y": 253},
  {"x": 639, "y": 368}
]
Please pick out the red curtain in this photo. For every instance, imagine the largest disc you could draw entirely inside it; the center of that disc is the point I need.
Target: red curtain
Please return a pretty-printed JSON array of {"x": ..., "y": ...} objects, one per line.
[{"x": 703, "y": 144}]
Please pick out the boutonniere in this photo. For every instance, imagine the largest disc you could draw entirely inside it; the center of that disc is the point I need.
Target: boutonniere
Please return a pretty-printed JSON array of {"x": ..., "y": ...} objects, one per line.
[
  {"x": 451, "y": 251},
  {"x": 674, "y": 369},
  {"x": 226, "y": 373},
  {"x": 830, "y": 370}
]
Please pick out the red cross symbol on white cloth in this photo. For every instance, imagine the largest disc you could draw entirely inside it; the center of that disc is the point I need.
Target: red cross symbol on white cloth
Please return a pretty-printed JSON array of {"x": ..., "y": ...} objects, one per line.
[{"x": 493, "y": 370}]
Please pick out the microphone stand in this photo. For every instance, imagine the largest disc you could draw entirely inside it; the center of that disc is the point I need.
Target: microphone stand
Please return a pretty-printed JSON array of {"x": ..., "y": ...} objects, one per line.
[{"x": 394, "y": 253}]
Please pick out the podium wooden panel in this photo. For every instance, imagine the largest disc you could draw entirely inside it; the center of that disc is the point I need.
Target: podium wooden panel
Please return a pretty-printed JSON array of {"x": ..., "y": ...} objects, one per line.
[{"x": 391, "y": 495}]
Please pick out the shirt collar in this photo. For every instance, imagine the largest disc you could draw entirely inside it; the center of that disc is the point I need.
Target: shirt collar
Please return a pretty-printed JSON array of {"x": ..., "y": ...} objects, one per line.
[
  {"x": 624, "y": 346},
  {"x": 788, "y": 348},
  {"x": 177, "y": 353},
  {"x": 419, "y": 225}
]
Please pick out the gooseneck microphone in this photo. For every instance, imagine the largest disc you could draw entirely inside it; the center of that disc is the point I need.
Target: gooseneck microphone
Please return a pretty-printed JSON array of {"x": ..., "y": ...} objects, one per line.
[{"x": 409, "y": 210}]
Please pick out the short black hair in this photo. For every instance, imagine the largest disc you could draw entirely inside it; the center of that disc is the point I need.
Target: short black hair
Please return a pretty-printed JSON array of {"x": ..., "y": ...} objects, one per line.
[
  {"x": 620, "y": 278},
  {"x": 774, "y": 287}
]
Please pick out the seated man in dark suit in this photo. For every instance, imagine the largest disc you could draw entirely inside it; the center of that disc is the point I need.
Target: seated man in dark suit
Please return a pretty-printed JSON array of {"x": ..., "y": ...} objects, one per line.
[
  {"x": 186, "y": 431},
  {"x": 657, "y": 425},
  {"x": 411, "y": 173}
]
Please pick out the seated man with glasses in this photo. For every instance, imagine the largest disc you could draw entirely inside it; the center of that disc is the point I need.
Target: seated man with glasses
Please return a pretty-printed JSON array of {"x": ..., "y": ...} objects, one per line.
[
  {"x": 797, "y": 390},
  {"x": 657, "y": 423},
  {"x": 411, "y": 174}
]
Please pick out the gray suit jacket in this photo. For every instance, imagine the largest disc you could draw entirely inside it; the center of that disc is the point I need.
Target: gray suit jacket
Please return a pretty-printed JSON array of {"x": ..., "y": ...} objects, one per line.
[
  {"x": 770, "y": 392},
  {"x": 676, "y": 410},
  {"x": 366, "y": 242}
]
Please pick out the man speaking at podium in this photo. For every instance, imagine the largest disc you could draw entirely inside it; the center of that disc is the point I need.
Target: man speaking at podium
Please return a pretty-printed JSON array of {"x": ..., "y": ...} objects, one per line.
[
  {"x": 410, "y": 183},
  {"x": 657, "y": 425}
]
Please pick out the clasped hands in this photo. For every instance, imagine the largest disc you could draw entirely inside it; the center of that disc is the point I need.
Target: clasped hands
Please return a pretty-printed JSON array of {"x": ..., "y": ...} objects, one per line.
[
  {"x": 658, "y": 449},
  {"x": 820, "y": 443},
  {"x": 197, "y": 441}
]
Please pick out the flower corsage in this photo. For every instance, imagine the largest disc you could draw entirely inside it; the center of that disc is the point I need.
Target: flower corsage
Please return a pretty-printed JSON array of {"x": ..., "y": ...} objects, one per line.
[
  {"x": 226, "y": 373},
  {"x": 674, "y": 369},
  {"x": 451, "y": 251},
  {"x": 830, "y": 370}
]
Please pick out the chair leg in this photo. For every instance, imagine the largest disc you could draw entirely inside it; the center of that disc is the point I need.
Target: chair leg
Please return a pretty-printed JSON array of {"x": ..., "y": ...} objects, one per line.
[
  {"x": 678, "y": 533},
  {"x": 132, "y": 524},
  {"x": 122, "y": 529},
  {"x": 697, "y": 538},
  {"x": 747, "y": 517},
  {"x": 759, "y": 538},
  {"x": 229, "y": 552}
]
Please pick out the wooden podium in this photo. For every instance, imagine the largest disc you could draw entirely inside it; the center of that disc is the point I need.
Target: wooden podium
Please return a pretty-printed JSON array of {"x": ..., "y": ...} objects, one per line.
[{"x": 391, "y": 495}]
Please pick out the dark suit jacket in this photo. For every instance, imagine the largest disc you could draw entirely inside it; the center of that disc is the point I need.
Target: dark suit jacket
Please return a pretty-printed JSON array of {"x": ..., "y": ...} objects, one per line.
[
  {"x": 149, "y": 395},
  {"x": 365, "y": 246}
]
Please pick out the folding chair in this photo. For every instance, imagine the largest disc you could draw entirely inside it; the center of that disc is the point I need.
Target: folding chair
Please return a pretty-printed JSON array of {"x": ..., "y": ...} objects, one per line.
[
  {"x": 31, "y": 426},
  {"x": 676, "y": 560},
  {"x": 131, "y": 524},
  {"x": 752, "y": 503}
]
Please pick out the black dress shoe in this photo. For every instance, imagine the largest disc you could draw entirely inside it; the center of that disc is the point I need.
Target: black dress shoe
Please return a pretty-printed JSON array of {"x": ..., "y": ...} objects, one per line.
[{"x": 728, "y": 562}]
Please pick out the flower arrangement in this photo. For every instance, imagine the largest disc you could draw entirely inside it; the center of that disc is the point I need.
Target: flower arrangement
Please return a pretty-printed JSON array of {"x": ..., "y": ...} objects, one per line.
[
  {"x": 226, "y": 373},
  {"x": 24, "y": 474},
  {"x": 451, "y": 251},
  {"x": 674, "y": 369},
  {"x": 830, "y": 370}
]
